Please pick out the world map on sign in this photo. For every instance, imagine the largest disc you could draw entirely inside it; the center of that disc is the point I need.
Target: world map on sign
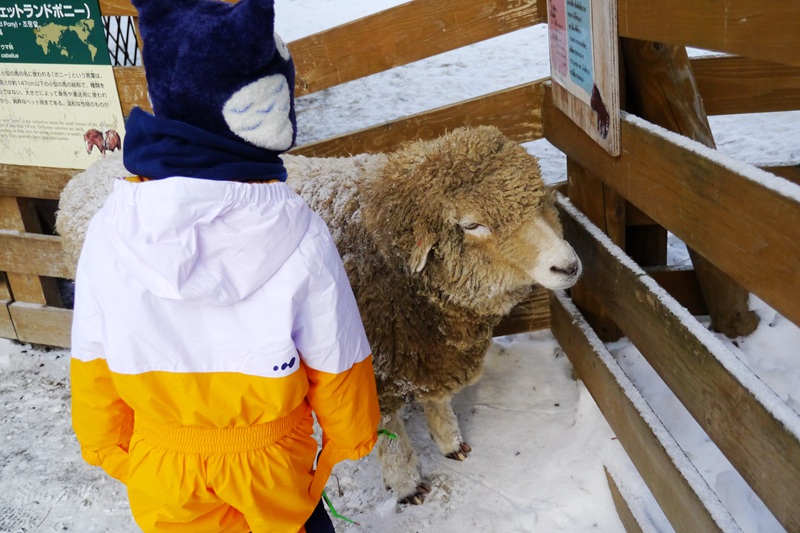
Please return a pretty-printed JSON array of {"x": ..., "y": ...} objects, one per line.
[{"x": 57, "y": 39}]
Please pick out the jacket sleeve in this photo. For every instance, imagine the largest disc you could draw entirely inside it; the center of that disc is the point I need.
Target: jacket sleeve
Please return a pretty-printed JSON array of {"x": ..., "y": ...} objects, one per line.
[
  {"x": 346, "y": 405},
  {"x": 102, "y": 421},
  {"x": 330, "y": 337}
]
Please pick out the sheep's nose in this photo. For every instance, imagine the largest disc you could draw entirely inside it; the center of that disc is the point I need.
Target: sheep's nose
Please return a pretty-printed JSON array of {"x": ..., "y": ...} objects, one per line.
[{"x": 570, "y": 270}]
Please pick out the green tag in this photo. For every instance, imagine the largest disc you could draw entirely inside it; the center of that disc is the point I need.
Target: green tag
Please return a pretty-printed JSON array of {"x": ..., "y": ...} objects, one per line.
[{"x": 333, "y": 511}]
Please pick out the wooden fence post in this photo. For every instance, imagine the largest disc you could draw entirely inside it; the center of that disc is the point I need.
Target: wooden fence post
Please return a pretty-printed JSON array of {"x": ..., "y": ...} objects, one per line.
[
  {"x": 663, "y": 87},
  {"x": 18, "y": 214},
  {"x": 7, "y": 330},
  {"x": 606, "y": 209}
]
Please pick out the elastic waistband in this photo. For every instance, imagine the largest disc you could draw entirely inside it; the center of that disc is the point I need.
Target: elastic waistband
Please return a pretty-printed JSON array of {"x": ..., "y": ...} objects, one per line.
[
  {"x": 202, "y": 440},
  {"x": 131, "y": 191}
]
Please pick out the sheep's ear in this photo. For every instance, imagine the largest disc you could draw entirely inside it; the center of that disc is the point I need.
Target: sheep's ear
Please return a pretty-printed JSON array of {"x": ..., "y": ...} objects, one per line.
[{"x": 419, "y": 254}]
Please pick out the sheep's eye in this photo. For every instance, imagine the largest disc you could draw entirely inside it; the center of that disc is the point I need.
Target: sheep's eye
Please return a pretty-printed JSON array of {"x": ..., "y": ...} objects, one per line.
[{"x": 474, "y": 229}]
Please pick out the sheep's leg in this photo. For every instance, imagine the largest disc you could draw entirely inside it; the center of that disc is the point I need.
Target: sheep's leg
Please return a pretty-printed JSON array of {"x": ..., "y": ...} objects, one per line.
[
  {"x": 443, "y": 425},
  {"x": 399, "y": 463}
]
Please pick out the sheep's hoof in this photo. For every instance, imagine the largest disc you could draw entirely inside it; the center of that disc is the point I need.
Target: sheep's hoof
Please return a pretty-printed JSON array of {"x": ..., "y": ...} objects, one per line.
[
  {"x": 418, "y": 496},
  {"x": 461, "y": 453}
]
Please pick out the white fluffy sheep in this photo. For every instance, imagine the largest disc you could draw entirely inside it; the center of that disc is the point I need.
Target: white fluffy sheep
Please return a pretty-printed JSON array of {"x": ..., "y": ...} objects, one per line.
[
  {"x": 440, "y": 239},
  {"x": 82, "y": 197}
]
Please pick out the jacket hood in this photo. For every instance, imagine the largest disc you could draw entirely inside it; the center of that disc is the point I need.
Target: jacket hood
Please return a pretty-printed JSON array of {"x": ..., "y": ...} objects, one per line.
[{"x": 204, "y": 241}]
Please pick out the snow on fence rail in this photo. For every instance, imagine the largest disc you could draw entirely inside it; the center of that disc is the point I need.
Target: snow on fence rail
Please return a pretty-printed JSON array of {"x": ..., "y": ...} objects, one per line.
[
  {"x": 754, "y": 428},
  {"x": 742, "y": 220},
  {"x": 685, "y": 497}
]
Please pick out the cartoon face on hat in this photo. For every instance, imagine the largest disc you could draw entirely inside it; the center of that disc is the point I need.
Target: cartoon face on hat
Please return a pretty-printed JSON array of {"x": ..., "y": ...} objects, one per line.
[{"x": 220, "y": 67}]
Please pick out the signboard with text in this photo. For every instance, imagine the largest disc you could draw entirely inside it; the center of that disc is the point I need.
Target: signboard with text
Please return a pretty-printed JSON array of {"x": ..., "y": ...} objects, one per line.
[
  {"x": 584, "y": 66},
  {"x": 59, "y": 105}
]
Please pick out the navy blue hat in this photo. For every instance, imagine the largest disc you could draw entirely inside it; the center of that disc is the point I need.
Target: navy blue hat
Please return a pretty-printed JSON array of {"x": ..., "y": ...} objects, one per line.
[{"x": 220, "y": 67}]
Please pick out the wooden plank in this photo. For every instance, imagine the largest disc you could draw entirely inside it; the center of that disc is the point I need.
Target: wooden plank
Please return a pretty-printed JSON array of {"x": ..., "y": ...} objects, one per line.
[
  {"x": 112, "y": 8},
  {"x": 761, "y": 30},
  {"x": 681, "y": 283},
  {"x": 647, "y": 244},
  {"x": 516, "y": 111},
  {"x": 124, "y": 8},
  {"x": 7, "y": 330},
  {"x": 626, "y": 515},
  {"x": 42, "y": 325},
  {"x": 401, "y": 35},
  {"x": 34, "y": 182},
  {"x": 561, "y": 187},
  {"x": 532, "y": 314},
  {"x": 30, "y": 288},
  {"x": 679, "y": 489},
  {"x": 635, "y": 217},
  {"x": 5, "y": 292},
  {"x": 606, "y": 210},
  {"x": 541, "y": 7},
  {"x": 732, "y": 85},
  {"x": 662, "y": 84},
  {"x": 745, "y": 221},
  {"x": 610, "y": 214},
  {"x": 29, "y": 253},
  {"x": 789, "y": 172},
  {"x": 132, "y": 89},
  {"x": 725, "y": 398},
  {"x": 19, "y": 215}
]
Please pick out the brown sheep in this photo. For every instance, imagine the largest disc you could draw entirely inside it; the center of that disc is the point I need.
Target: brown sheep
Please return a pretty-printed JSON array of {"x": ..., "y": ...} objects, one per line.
[{"x": 440, "y": 240}]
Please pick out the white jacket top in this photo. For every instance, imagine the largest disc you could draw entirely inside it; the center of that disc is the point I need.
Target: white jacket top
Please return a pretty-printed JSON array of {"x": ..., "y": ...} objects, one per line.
[{"x": 213, "y": 276}]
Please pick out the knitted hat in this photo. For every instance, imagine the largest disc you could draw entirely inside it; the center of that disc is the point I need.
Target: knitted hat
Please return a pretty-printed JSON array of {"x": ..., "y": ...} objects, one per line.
[{"x": 220, "y": 67}]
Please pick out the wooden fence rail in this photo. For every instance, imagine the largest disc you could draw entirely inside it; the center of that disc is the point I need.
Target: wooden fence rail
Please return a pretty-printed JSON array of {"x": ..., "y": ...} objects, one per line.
[
  {"x": 725, "y": 398},
  {"x": 733, "y": 85},
  {"x": 746, "y": 224},
  {"x": 401, "y": 35},
  {"x": 517, "y": 112},
  {"x": 686, "y": 499},
  {"x": 760, "y": 30}
]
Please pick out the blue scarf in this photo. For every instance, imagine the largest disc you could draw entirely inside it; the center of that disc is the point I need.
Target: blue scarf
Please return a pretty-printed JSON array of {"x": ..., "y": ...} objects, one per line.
[{"x": 158, "y": 148}]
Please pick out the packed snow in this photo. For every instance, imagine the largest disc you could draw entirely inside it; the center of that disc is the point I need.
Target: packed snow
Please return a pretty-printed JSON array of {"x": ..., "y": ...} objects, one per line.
[{"x": 541, "y": 446}]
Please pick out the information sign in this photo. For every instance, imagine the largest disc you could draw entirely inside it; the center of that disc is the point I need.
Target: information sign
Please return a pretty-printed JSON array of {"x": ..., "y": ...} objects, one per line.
[
  {"x": 584, "y": 66},
  {"x": 59, "y": 105}
]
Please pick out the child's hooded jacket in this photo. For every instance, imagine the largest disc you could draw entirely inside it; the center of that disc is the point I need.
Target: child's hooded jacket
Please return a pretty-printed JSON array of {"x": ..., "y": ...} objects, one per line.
[
  {"x": 215, "y": 304},
  {"x": 206, "y": 298}
]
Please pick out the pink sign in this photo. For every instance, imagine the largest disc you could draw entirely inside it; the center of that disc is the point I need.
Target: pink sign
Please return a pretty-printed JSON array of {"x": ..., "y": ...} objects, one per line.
[{"x": 557, "y": 23}]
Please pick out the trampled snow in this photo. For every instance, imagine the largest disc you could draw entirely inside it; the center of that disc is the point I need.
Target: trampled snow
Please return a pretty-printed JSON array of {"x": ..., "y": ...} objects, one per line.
[{"x": 540, "y": 443}]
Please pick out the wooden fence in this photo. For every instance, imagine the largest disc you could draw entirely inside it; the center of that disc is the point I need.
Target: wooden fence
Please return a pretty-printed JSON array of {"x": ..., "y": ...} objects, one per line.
[{"x": 741, "y": 223}]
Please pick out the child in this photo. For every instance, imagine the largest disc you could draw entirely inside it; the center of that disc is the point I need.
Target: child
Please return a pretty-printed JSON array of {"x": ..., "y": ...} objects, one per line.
[{"x": 212, "y": 311}]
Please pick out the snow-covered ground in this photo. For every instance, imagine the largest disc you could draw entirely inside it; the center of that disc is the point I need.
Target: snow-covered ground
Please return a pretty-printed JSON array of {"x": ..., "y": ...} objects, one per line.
[{"x": 540, "y": 443}]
